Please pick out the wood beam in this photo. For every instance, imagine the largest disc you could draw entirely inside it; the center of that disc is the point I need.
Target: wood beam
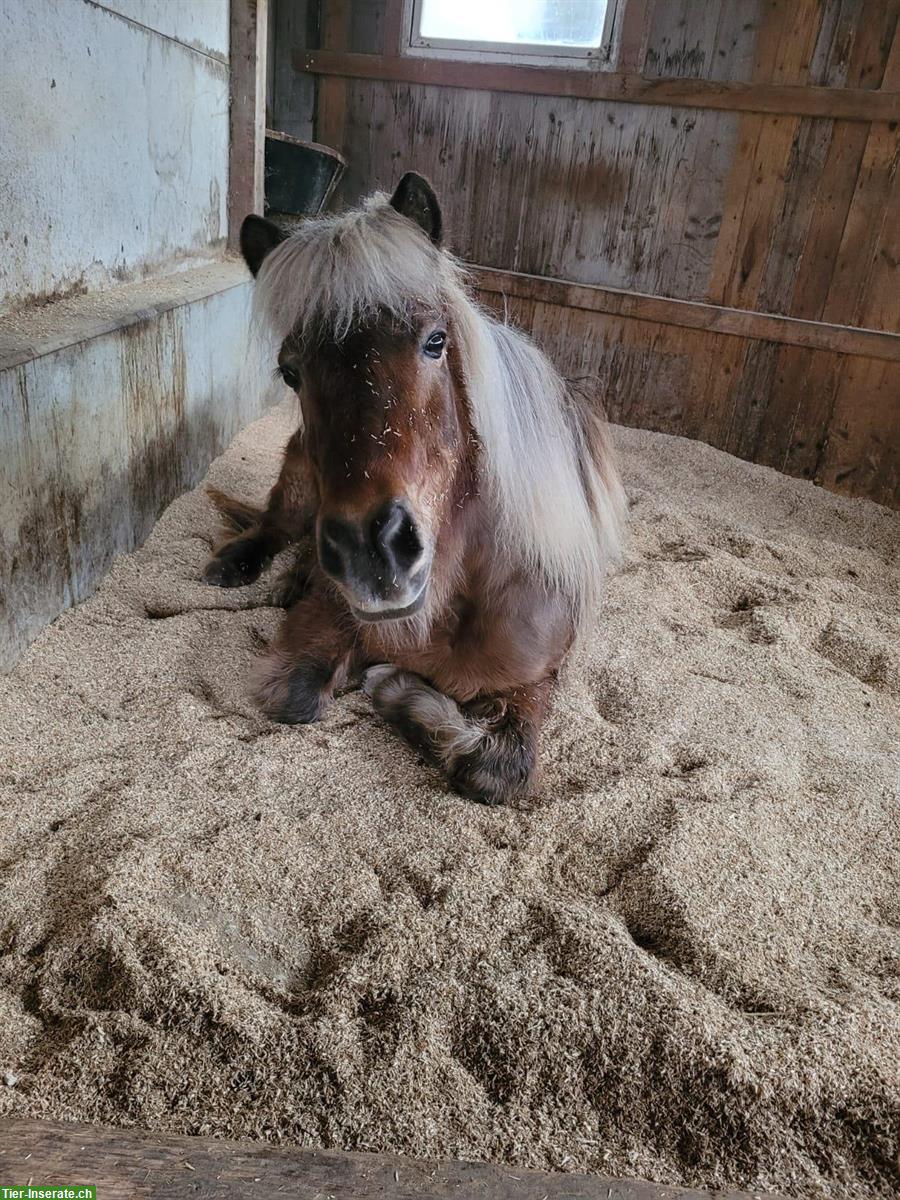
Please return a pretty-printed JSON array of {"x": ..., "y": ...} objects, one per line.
[
  {"x": 690, "y": 314},
  {"x": 844, "y": 104}
]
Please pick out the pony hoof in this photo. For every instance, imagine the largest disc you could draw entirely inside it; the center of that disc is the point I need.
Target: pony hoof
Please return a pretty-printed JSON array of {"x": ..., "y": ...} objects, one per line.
[
  {"x": 302, "y": 706},
  {"x": 482, "y": 791},
  {"x": 492, "y": 782},
  {"x": 293, "y": 694},
  {"x": 375, "y": 677},
  {"x": 236, "y": 565},
  {"x": 224, "y": 574},
  {"x": 301, "y": 715}
]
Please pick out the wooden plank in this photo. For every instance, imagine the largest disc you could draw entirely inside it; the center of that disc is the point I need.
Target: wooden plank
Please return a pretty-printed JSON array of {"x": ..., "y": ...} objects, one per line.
[
  {"x": 861, "y": 456},
  {"x": 844, "y": 103},
  {"x": 833, "y": 233},
  {"x": 640, "y": 372},
  {"x": 862, "y": 243},
  {"x": 832, "y": 202},
  {"x": 689, "y": 314},
  {"x": 760, "y": 175},
  {"x": 881, "y": 303},
  {"x": 394, "y": 17},
  {"x": 749, "y": 399},
  {"x": 716, "y": 372},
  {"x": 775, "y": 289},
  {"x": 798, "y": 402},
  {"x": 755, "y": 216},
  {"x": 781, "y": 152},
  {"x": 632, "y": 35},
  {"x": 874, "y": 35},
  {"x": 366, "y": 31},
  {"x": 331, "y": 96},
  {"x": 246, "y": 160},
  {"x": 831, "y": 56},
  {"x": 127, "y": 1165},
  {"x": 293, "y": 100},
  {"x": 766, "y": 170},
  {"x": 721, "y": 46},
  {"x": 863, "y": 228},
  {"x": 857, "y": 56}
]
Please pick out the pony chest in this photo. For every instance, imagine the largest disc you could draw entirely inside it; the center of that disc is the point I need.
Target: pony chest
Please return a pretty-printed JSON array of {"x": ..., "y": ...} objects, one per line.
[{"x": 482, "y": 648}]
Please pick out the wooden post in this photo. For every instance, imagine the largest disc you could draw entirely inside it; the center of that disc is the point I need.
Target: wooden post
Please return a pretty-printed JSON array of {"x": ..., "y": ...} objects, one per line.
[
  {"x": 246, "y": 163},
  {"x": 634, "y": 19},
  {"x": 395, "y": 21}
]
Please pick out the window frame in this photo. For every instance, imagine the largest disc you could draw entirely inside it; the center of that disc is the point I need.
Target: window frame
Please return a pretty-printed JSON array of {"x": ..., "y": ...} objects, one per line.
[{"x": 508, "y": 53}]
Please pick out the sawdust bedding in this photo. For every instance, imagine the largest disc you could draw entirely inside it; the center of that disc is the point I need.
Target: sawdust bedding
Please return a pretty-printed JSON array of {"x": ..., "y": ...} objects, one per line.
[{"x": 679, "y": 961}]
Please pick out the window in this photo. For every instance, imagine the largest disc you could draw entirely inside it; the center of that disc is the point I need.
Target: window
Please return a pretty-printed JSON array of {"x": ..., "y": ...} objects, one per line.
[{"x": 517, "y": 30}]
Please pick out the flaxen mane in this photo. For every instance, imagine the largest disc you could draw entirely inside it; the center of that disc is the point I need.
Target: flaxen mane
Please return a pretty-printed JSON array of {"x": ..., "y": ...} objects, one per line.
[{"x": 546, "y": 464}]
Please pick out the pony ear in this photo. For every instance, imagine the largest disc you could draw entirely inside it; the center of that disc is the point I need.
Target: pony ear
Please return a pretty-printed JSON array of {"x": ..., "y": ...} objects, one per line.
[
  {"x": 415, "y": 198},
  {"x": 258, "y": 237}
]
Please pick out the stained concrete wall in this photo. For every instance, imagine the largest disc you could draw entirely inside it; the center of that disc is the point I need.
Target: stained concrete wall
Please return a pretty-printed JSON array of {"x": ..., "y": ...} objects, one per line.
[
  {"x": 126, "y": 362},
  {"x": 99, "y": 434},
  {"x": 113, "y": 142}
]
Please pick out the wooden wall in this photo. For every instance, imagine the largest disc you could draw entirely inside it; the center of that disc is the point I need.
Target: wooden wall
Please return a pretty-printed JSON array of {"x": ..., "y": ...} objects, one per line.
[{"x": 722, "y": 205}]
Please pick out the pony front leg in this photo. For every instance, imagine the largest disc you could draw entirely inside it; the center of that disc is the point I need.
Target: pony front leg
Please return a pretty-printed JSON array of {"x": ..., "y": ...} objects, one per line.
[
  {"x": 310, "y": 658},
  {"x": 487, "y": 749},
  {"x": 259, "y": 534}
]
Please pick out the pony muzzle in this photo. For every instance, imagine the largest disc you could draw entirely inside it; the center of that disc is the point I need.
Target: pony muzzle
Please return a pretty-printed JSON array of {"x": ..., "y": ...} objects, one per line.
[{"x": 380, "y": 561}]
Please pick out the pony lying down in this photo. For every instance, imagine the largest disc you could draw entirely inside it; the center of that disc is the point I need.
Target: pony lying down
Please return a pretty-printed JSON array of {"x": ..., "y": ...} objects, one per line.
[{"x": 464, "y": 505}]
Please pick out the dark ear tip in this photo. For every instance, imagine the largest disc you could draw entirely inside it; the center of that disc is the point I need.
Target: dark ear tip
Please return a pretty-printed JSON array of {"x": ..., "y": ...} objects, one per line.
[
  {"x": 258, "y": 237},
  {"x": 254, "y": 228},
  {"x": 412, "y": 179},
  {"x": 415, "y": 198}
]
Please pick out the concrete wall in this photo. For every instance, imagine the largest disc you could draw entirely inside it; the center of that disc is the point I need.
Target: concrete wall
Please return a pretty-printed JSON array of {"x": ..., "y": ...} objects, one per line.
[
  {"x": 99, "y": 434},
  {"x": 126, "y": 362},
  {"x": 200, "y": 24},
  {"x": 113, "y": 142}
]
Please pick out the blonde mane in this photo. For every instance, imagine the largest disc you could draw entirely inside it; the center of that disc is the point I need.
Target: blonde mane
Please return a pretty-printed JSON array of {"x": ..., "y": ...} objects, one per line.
[{"x": 547, "y": 467}]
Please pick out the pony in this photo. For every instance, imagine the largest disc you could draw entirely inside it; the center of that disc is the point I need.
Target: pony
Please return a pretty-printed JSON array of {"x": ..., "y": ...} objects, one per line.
[{"x": 464, "y": 505}]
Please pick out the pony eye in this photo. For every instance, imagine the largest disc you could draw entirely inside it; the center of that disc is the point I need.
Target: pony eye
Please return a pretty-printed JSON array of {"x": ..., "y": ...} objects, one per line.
[
  {"x": 434, "y": 347},
  {"x": 290, "y": 377}
]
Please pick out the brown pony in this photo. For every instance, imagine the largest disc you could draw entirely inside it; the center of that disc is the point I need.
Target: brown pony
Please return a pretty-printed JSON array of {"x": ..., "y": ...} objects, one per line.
[{"x": 464, "y": 504}]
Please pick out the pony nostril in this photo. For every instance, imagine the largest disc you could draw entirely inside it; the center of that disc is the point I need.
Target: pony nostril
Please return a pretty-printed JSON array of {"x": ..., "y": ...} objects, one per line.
[
  {"x": 336, "y": 539},
  {"x": 396, "y": 537},
  {"x": 406, "y": 543},
  {"x": 331, "y": 560}
]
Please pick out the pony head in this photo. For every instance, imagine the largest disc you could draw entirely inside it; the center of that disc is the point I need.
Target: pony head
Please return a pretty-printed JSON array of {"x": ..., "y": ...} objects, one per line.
[{"x": 363, "y": 306}]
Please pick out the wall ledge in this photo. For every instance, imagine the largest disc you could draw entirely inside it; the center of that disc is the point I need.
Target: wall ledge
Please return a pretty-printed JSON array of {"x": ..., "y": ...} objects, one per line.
[{"x": 38, "y": 331}]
